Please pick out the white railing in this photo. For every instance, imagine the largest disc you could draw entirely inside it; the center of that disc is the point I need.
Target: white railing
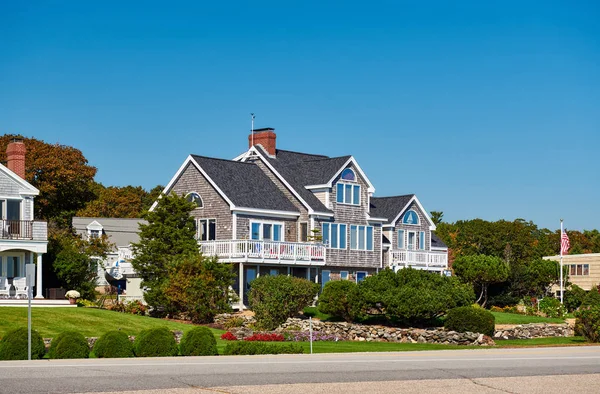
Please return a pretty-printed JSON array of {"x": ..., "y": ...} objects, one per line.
[
  {"x": 264, "y": 250},
  {"x": 403, "y": 258}
]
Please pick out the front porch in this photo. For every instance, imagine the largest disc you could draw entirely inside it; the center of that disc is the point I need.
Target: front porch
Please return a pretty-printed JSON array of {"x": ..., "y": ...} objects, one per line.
[
  {"x": 423, "y": 260},
  {"x": 273, "y": 252}
]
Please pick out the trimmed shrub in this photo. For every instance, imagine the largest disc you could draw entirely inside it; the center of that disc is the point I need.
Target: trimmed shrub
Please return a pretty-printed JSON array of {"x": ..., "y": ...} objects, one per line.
[
  {"x": 113, "y": 344},
  {"x": 14, "y": 345},
  {"x": 275, "y": 298},
  {"x": 592, "y": 298},
  {"x": 552, "y": 307},
  {"x": 251, "y": 348},
  {"x": 573, "y": 298},
  {"x": 341, "y": 298},
  {"x": 69, "y": 344},
  {"x": 199, "y": 341},
  {"x": 155, "y": 342},
  {"x": 588, "y": 322},
  {"x": 467, "y": 318}
]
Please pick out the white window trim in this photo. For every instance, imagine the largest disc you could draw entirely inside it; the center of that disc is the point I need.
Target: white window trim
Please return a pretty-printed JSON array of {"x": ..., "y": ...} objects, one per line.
[
  {"x": 199, "y": 196},
  {"x": 339, "y": 235},
  {"x": 353, "y": 184},
  {"x": 260, "y": 234},
  {"x": 365, "y": 239},
  {"x": 198, "y": 224},
  {"x": 418, "y": 223},
  {"x": 4, "y": 256},
  {"x": 415, "y": 242}
]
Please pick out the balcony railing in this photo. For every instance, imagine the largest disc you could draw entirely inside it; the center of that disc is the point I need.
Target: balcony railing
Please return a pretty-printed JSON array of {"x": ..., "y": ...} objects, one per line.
[
  {"x": 274, "y": 251},
  {"x": 24, "y": 229},
  {"x": 419, "y": 259}
]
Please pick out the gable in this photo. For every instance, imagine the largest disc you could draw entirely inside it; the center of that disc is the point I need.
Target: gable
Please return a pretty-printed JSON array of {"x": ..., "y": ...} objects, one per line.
[{"x": 12, "y": 185}]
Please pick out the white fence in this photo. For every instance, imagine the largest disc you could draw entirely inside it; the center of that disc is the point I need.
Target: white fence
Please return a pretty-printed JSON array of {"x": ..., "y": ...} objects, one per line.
[
  {"x": 265, "y": 250},
  {"x": 419, "y": 259}
]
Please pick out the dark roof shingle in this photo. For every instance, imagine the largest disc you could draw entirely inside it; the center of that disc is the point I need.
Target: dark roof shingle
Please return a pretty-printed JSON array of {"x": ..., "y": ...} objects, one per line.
[{"x": 388, "y": 207}]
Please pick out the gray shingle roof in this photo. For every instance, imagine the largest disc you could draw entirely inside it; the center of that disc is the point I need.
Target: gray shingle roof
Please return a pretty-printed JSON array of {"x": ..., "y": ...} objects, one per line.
[
  {"x": 388, "y": 207},
  {"x": 120, "y": 232},
  {"x": 245, "y": 184},
  {"x": 436, "y": 242}
]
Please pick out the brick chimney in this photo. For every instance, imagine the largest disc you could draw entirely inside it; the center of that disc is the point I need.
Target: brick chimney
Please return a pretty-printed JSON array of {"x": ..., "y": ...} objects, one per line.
[
  {"x": 15, "y": 157},
  {"x": 264, "y": 137}
]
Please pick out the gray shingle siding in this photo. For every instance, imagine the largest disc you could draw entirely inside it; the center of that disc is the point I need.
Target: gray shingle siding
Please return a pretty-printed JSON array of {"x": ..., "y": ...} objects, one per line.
[
  {"x": 422, "y": 226},
  {"x": 9, "y": 187}
]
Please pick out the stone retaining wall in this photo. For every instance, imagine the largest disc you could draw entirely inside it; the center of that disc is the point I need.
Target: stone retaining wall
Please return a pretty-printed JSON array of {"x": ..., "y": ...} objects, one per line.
[{"x": 534, "y": 330}]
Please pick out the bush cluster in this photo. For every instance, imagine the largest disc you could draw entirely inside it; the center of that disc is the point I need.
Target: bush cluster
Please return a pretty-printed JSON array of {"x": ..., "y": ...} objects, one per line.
[
  {"x": 341, "y": 298},
  {"x": 265, "y": 337},
  {"x": 592, "y": 298},
  {"x": 573, "y": 298},
  {"x": 468, "y": 318},
  {"x": 113, "y": 344},
  {"x": 588, "y": 322},
  {"x": 199, "y": 341},
  {"x": 275, "y": 298},
  {"x": 155, "y": 342},
  {"x": 251, "y": 348},
  {"x": 552, "y": 307},
  {"x": 69, "y": 344},
  {"x": 14, "y": 345}
]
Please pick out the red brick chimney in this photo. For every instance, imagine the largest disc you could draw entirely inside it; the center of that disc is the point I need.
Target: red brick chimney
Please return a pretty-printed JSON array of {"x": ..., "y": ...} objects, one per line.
[
  {"x": 15, "y": 156},
  {"x": 264, "y": 137}
]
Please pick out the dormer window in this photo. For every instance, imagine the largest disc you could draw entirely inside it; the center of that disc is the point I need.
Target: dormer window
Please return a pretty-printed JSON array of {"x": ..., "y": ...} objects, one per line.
[
  {"x": 94, "y": 230},
  {"x": 410, "y": 217},
  {"x": 195, "y": 198},
  {"x": 348, "y": 192}
]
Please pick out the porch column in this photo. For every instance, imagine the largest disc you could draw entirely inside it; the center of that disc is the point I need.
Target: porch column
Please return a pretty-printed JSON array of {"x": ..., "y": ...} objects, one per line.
[
  {"x": 241, "y": 285},
  {"x": 38, "y": 283}
]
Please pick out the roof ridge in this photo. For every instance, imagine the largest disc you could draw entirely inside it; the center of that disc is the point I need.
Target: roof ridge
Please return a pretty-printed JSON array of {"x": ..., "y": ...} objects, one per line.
[
  {"x": 402, "y": 195},
  {"x": 300, "y": 153},
  {"x": 219, "y": 159}
]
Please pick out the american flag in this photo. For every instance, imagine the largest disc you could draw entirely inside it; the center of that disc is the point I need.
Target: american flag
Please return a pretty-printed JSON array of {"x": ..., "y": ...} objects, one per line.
[{"x": 564, "y": 243}]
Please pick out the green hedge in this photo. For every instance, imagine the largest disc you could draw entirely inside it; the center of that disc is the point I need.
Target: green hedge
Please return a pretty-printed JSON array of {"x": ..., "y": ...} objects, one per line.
[
  {"x": 155, "y": 342},
  {"x": 69, "y": 344},
  {"x": 113, "y": 344},
  {"x": 588, "y": 322},
  {"x": 199, "y": 341},
  {"x": 468, "y": 318},
  {"x": 14, "y": 345},
  {"x": 341, "y": 298},
  {"x": 251, "y": 348}
]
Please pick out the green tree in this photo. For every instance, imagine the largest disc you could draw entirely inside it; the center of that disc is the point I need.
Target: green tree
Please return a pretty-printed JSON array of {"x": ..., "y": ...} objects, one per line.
[
  {"x": 481, "y": 271},
  {"x": 341, "y": 298},
  {"x": 437, "y": 217},
  {"x": 199, "y": 287},
  {"x": 540, "y": 275},
  {"x": 169, "y": 233},
  {"x": 116, "y": 202}
]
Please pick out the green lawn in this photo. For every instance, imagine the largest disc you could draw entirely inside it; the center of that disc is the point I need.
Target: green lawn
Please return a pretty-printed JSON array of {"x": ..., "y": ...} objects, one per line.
[
  {"x": 515, "y": 318},
  {"x": 558, "y": 341},
  {"x": 90, "y": 322}
]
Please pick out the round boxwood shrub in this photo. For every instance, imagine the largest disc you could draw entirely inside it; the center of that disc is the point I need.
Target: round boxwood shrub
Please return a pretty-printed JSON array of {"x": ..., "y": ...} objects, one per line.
[
  {"x": 14, "y": 345},
  {"x": 69, "y": 344},
  {"x": 468, "y": 318},
  {"x": 113, "y": 344},
  {"x": 199, "y": 341},
  {"x": 155, "y": 342}
]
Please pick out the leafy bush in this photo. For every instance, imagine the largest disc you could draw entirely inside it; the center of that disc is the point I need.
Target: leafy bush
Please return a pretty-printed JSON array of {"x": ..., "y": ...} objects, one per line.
[
  {"x": 592, "y": 298},
  {"x": 199, "y": 341},
  {"x": 588, "y": 322},
  {"x": 413, "y": 297},
  {"x": 467, "y": 318},
  {"x": 233, "y": 321},
  {"x": 113, "y": 344},
  {"x": 14, "y": 345},
  {"x": 341, "y": 298},
  {"x": 69, "y": 344},
  {"x": 228, "y": 337},
  {"x": 136, "y": 307},
  {"x": 250, "y": 348},
  {"x": 155, "y": 342},
  {"x": 552, "y": 307},
  {"x": 573, "y": 298},
  {"x": 275, "y": 298},
  {"x": 265, "y": 337}
]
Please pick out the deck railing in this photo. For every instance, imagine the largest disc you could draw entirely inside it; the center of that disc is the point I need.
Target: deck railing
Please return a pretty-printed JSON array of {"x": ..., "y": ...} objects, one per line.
[
  {"x": 419, "y": 259},
  {"x": 23, "y": 229},
  {"x": 264, "y": 250}
]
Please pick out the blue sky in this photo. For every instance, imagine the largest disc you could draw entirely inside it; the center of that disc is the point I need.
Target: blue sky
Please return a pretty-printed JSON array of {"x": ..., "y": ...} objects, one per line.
[{"x": 483, "y": 109}]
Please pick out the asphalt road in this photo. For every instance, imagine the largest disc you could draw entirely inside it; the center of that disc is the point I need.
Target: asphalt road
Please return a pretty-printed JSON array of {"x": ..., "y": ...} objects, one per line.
[{"x": 546, "y": 370}]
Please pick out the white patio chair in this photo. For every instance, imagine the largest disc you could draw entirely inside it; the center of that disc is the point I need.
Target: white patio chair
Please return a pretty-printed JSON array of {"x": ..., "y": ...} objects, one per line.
[
  {"x": 4, "y": 288},
  {"x": 20, "y": 287}
]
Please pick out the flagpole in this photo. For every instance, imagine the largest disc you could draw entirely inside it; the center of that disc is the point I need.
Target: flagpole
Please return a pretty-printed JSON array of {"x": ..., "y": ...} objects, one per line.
[{"x": 561, "y": 262}]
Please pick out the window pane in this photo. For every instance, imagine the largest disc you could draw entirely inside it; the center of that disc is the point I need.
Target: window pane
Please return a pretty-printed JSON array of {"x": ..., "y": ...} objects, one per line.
[
  {"x": 277, "y": 232},
  {"x": 353, "y": 237},
  {"x": 586, "y": 269},
  {"x": 342, "y": 236},
  {"x": 422, "y": 240},
  {"x": 579, "y": 269},
  {"x": 360, "y": 276},
  {"x": 267, "y": 234},
  {"x": 255, "y": 230},
  {"x": 324, "y": 277},
  {"x": 356, "y": 197},
  {"x": 411, "y": 240},
  {"x": 340, "y": 192},
  {"x": 212, "y": 230},
  {"x": 361, "y": 237},
  {"x": 326, "y": 233},
  {"x": 13, "y": 210},
  {"x": 348, "y": 194},
  {"x": 348, "y": 175},
  {"x": 303, "y": 232},
  {"x": 400, "y": 239},
  {"x": 344, "y": 275},
  {"x": 273, "y": 272},
  {"x": 334, "y": 235},
  {"x": 369, "y": 238},
  {"x": 572, "y": 270}
]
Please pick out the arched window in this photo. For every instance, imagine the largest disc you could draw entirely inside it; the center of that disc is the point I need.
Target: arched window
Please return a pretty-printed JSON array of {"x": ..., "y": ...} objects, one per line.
[
  {"x": 195, "y": 198},
  {"x": 410, "y": 217},
  {"x": 348, "y": 175}
]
